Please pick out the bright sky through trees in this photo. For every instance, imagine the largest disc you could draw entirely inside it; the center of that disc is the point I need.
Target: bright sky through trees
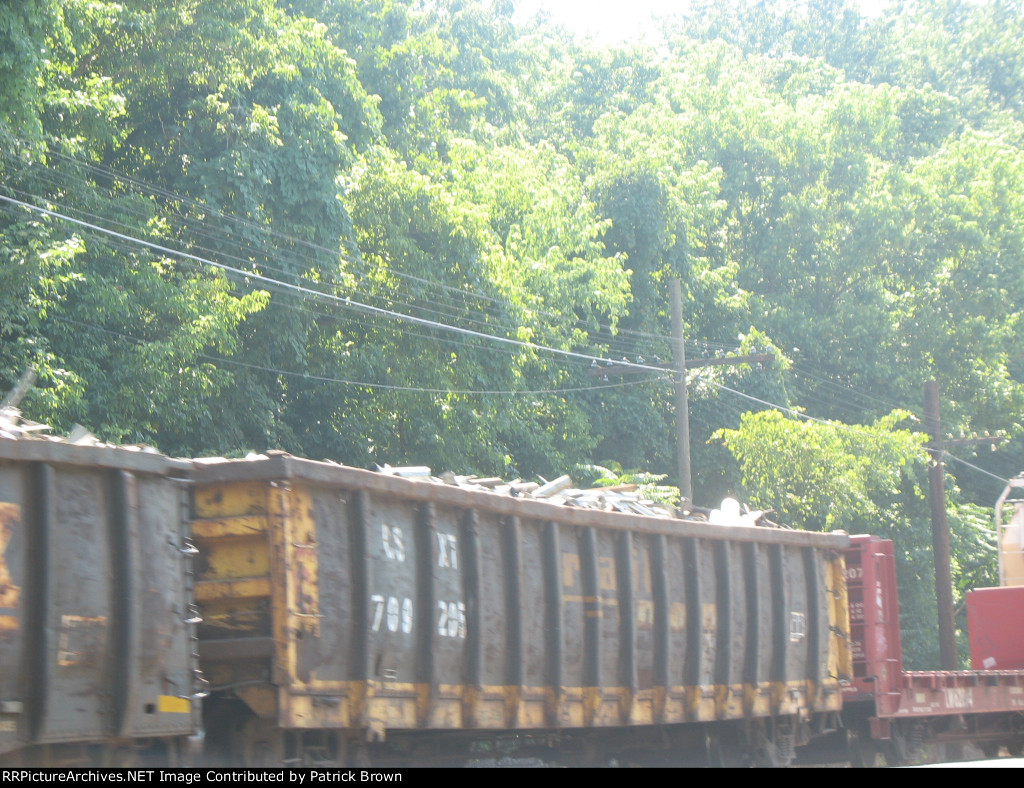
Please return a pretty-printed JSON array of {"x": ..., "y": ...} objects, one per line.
[{"x": 612, "y": 21}]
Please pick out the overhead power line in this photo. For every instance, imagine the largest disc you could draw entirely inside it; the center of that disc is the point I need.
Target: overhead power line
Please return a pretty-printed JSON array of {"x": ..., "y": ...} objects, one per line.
[
  {"x": 975, "y": 467},
  {"x": 424, "y": 322},
  {"x": 363, "y": 383},
  {"x": 619, "y": 341},
  {"x": 416, "y": 389},
  {"x": 344, "y": 302}
]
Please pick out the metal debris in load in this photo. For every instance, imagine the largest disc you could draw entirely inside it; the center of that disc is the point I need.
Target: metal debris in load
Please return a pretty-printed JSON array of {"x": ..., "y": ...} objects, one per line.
[
  {"x": 626, "y": 498},
  {"x": 21, "y": 388},
  {"x": 80, "y": 436},
  {"x": 552, "y": 487},
  {"x": 621, "y": 498},
  {"x": 732, "y": 512},
  {"x": 410, "y": 472},
  {"x": 13, "y": 426}
]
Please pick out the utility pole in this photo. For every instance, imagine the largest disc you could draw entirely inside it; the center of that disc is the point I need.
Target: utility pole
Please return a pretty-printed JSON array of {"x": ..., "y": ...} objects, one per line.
[
  {"x": 940, "y": 530},
  {"x": 940, "y": 526},
  {"x": 678, "y": 369},
  {"x": 682, "y": 403}
]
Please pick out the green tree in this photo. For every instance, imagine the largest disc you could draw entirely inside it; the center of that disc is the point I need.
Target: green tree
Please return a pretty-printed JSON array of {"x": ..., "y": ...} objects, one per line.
[{"x": 866, "y": 478}]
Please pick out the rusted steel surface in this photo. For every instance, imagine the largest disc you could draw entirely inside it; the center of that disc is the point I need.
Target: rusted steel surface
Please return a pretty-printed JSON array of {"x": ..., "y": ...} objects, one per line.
[
  {"x": 99, "y": 456},
  {"x": 876, "y": 647},
  {"x": 94, "y": 639},
  {"x": 929, "y": 693},
  {"x": 402, "y": 604}
]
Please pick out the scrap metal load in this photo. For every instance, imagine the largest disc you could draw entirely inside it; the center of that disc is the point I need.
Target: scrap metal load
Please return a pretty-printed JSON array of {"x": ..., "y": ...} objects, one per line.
[
  {"x": 625, "y": 498},
  {"x": 622, "y": 498}
]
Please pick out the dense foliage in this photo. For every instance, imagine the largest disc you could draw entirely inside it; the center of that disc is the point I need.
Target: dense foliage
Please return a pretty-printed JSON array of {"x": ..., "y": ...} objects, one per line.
[{"x": 399, "y": 231}]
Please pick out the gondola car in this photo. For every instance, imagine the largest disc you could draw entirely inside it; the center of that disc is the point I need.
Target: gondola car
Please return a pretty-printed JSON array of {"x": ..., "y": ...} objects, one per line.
[
  {"x": 350, "y": 616},
  {"x": 98, "y": 660}
]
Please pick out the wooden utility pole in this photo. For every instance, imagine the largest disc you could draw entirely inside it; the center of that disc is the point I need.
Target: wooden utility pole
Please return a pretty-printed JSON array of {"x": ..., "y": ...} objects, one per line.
[
  {"x": 940, "y": 526},
  {"x": 940, "y": 531},
  {"x": 682, "y": 403},
  {"x": 678, "y": 369}
]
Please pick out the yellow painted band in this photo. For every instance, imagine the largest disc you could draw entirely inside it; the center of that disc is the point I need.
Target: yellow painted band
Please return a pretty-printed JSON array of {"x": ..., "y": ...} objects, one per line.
[{"x": 173, "y": 704}]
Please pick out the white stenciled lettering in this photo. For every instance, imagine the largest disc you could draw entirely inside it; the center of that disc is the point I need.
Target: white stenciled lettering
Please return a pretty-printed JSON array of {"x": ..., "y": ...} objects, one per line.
[
  {"x": 447, "y": 551},
  {"x": 378, "y": 611},
  {"x": 451, "y": 619},
  {"x": 392, "y": 612},
  {"x": 957, "y": 697},
  {"x": 797, "y": 626},
  {"x": 396, "y": 535},
  {"x": 392, "y": 542}
]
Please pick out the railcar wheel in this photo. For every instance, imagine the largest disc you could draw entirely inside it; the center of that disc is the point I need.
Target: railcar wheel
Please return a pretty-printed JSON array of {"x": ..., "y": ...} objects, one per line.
[
  {"x": 905, "y": 745},
  {"x": 772, "y": 742}
]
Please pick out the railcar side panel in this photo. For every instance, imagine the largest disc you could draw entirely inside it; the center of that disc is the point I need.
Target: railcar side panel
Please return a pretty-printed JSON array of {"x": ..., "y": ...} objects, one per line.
[
  {"x": 644, "y": 668},
  {"x": 326, "y": 651},
  {"x": 494, "y": 627},
  {"x": 540, "y": 624},
  {"x": 94, "y": 583},
  {"x": 16, "y": 603},
  {"x": 402, "y": 605},
  {"x": 758, "y": 659}
]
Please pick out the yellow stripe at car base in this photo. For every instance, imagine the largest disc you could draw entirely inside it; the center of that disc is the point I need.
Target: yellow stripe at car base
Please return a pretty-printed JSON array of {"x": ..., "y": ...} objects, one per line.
[
  {"x": 173, "y": 704},
  {"x": 381, "y": 706}
]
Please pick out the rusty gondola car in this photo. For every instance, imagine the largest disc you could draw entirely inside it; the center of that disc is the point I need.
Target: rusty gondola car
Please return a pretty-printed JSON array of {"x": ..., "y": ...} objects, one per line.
[
  {"x": 97, "y": 640},
  {"x": 351, "y": 616}
]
